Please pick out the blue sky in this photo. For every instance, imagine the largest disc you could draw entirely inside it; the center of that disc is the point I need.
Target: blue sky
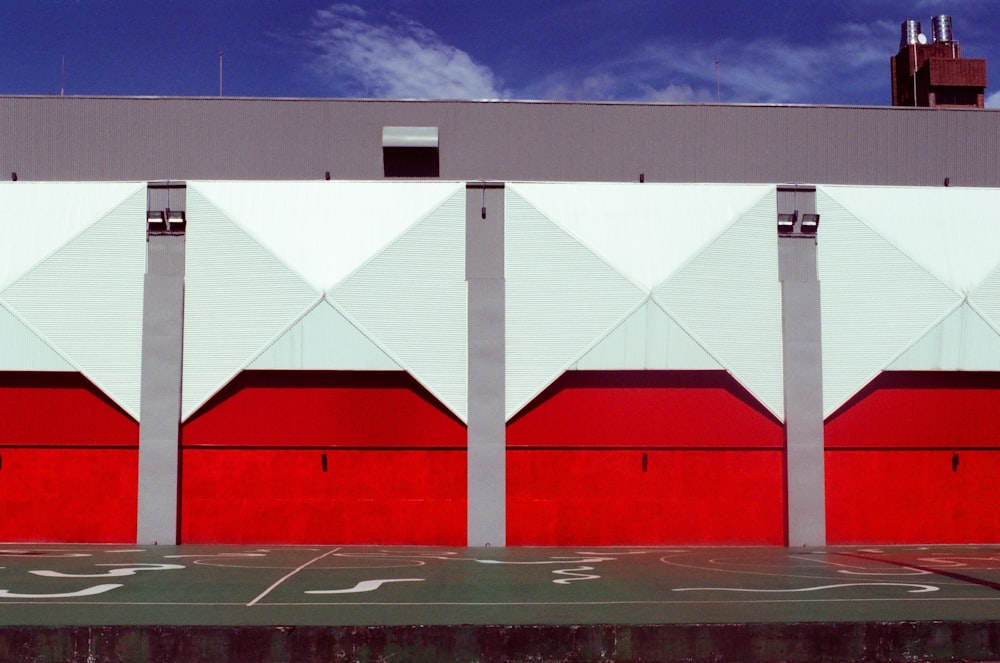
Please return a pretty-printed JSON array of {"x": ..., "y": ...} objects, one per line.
[{"x": 768, "y": 51}]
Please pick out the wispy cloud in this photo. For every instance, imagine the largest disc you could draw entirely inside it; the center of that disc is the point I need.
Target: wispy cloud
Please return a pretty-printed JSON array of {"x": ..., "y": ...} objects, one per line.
[
  {"x": 849, "y": 60},
  {"x": 993, "y": 100},
  {"x": 357, "y": 54}
]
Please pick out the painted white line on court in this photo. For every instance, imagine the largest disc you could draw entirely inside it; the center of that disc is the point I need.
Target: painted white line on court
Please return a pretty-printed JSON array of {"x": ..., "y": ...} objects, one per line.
[{"x": 289, "y": 575}]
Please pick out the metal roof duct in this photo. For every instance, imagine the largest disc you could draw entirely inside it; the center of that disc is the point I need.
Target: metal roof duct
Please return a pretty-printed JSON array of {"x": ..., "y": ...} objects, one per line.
[{"x": 409, "y": 136}]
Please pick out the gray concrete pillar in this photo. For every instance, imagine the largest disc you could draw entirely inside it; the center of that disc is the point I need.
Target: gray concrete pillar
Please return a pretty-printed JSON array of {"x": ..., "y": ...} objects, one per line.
[
  {"x": 160, "y": 406},
  {"x": 487, "y": 444},
  {"x": 802, "y": 358}
]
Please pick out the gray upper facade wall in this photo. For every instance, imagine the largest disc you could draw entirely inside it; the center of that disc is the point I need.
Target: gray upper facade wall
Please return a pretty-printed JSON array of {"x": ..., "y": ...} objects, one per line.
[{"x": 122, "y": 138}]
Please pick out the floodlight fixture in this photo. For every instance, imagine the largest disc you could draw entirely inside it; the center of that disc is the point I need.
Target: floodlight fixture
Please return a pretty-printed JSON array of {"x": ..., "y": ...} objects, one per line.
[
  {"x": 810, "y": 223},
  {"x": 786, "y": 222}
]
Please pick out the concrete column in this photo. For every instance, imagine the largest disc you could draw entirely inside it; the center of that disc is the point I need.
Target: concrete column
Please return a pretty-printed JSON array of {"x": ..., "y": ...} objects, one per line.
[
  {"x": 160, "y": 407},
  {"x": 487, "y": 444},
  {"x": 802, "y": 356}
]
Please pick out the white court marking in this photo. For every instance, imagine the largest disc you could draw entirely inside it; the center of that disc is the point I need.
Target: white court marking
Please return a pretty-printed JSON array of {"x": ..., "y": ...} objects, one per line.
[
  {"x": 363, "y": 586},
  {"x": 289, "y": 575},
  {"x": 90, "y": 591},
  {"x": 127, "y": 570},
  {"x": 919, "y": 589}
]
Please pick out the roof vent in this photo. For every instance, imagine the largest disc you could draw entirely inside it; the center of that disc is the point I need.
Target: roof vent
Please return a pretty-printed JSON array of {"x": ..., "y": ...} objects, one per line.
[{"x": 410, "y": 152}]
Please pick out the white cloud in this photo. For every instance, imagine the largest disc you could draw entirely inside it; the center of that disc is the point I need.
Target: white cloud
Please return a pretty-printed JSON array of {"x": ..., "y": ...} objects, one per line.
[
  {"x": 993, "y": 100},
  {"x": 393, "y": 57}
]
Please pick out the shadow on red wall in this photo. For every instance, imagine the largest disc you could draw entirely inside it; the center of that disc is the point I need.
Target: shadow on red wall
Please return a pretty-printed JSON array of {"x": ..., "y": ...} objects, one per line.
[
  {"x": 645, "y": 458},
  {"x": 68, "y": 461},
  {"x": 913, "y": 458}
]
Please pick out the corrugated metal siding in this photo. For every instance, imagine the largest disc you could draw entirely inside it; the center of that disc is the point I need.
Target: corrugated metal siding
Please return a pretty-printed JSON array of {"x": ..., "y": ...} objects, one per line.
[
  {"x": 728, "y": 297},
  {"x": 562, "y": 299},
  {"x": 21, "y": 349},
  {"x": 411, "y": 299},
  {"x": 954, "y": 233},
  {"x": 649, "y": 339},
  {"x": 324, "y": 230},
  {"x": 963, "y": 341},
  {"x": 86, "y": 300},
  {"x": 66, "y": 138},
  {"x": 645, "y": 231},
  {"x": 238, "y": 298},
  {"x": 324, "y": 339},
  {"x": 37, "y": 218},
  {"x": 876, "y": 300}
]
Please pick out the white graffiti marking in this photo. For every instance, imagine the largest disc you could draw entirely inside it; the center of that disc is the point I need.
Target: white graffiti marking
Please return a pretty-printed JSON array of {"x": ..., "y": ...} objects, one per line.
[
  {"x": 363, "y": 586},
  {"x": 128, "y": 570},
  {"x": 90, "y": 591},
  {"x": 918, "y": 589},
  {"x": 574, "y": 575}
]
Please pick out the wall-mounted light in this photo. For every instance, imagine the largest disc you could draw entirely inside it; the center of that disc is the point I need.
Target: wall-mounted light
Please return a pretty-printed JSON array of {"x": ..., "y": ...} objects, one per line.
[
  {"x": 156, "y": 221},
  {"x": 786, "y": 222},
  {"x": 810, "y": 223}
]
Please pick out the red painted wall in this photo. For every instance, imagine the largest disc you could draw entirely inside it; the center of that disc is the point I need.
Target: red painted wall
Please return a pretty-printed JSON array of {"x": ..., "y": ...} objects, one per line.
[
  {"x": 714, "y": 463},
  {"x": 68, "y": 461},
  {"x": 253, "y": 472},
  {"x": 62, "y": 409},
  {"x": 918, "y": 410},
  {"x": 283, "y": 496},
  {"x": 324, "y": 408},
  {"x": 914, "y": 458}
]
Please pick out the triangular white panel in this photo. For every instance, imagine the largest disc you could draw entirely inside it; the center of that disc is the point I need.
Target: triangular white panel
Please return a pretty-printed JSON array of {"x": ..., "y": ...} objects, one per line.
[
  {"x": 324, "y": 340},
  {"x": 986, "y": 297},
  {"x": 649, "y": 339},
  {"x": 411, "y": 299},
  {"x": 953, "y": 233},
  {"x": 728, "y": 297},
  {"x": 561, "y": 300},
  {"x": 36, "y": 218},
  {"x": 324, "y": 230},
  {"x": 85, "y": 300},
  {"x": 963, "y": 341},
  {"x": 21, "y": 349},
  {"x": 238, "y": 298},
  {"x": 645, "y": 231},
  {"x": 876, "y": 301}
]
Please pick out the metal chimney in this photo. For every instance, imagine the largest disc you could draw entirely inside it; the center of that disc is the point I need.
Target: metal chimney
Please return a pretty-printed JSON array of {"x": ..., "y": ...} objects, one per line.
[
  {"x": 911, "y": 34},
  {"x": 941, "y": 26}
]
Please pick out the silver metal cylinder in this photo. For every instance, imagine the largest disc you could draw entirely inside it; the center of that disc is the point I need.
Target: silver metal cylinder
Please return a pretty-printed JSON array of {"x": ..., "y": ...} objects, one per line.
[
  {"x": 910, "y": 33},
  {"x": 941, "y": 26}
]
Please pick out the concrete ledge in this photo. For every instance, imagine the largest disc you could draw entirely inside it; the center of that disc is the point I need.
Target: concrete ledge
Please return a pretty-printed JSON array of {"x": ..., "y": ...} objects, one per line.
[{"x": 747, "y": 643}]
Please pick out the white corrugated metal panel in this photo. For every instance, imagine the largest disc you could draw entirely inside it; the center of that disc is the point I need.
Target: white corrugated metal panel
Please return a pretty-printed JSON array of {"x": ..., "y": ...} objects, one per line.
[
  {"x": 562, "y": 299},
  {"x": 21, "y": 349},
  {"x": 649, "y": 339},
  {"x": 645, "y": 231},
  {"x": 963, "y": 341},
  {"x": 728, "y": 297},
  {"x": 411, "y": 299},
  {"x": 325, "y": 230},
  {"x": 238, "y": 298},
  {"x": 986, "y": 297},
  {"x": 37, "y": 218},
  {"x": 85, "y": 300},
  {"x": 953, "y": 233},
  {"x": 876, "y": 300},
  {"x": 325, "y": 340}
]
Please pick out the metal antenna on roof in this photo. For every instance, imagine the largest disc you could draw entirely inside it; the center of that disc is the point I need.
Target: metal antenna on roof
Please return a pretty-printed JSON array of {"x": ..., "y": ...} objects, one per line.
[
  {"x": 220, "y": 72},
  {"x": 718, "y": 89},
  {"x": 62, "y": 78}
]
